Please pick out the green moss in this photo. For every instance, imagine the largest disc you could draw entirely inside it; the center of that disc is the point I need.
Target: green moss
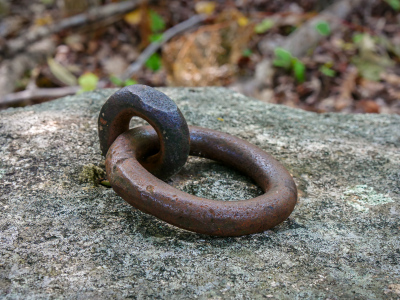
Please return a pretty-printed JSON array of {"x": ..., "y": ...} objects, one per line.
[{"x": 91, "y": 174}]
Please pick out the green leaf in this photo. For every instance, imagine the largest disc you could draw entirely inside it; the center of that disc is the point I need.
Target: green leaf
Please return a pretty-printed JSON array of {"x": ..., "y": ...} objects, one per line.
[
  {"x": 327, "y": 71},
  {"x": 299, "y": 70},
  {"x": 323, "y": 28},
  {"x": 47, "y": 2},
  {"x": 371, "y": 61},
  {"x": 395, "y": 4},
  {"x": 358, "y": 37},
  {"x": 367, "y": 69},
  {"x": 371, "y": 65},
  {"x": 156, "y": 37},
  {"x": 61, "y": 73},
  {"x": 283, "y": 58},
  {"x": 247, "y": 53},
  {"x": 130, "y": 82},
  {"x": 154, "y": 62},
  {"x": 116, "y": 81},
  {"x": 88, "y": 82},
  {"x": 264, "y": 26},
  {"x": 156, "y": 22}
]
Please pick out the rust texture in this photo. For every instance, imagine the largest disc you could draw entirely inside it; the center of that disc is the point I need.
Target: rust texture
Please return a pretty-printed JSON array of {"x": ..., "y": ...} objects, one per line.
[{"x": 131, "y": 179}]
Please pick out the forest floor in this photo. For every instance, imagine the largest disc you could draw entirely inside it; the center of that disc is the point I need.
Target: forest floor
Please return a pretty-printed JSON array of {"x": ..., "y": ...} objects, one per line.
[{"x": 322, "y": 56}]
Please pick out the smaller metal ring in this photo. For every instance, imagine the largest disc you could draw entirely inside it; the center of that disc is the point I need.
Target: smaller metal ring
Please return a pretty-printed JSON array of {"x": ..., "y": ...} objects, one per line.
[
  {"x": 221, "y": 218},
  {"x": 161, "y": 112}
]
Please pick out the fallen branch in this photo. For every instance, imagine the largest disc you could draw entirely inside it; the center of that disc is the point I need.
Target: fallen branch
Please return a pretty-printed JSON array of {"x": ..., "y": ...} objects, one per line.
[
  {"x": 153, "y": 47},
  {"x": 36, "y": 93},
  {"x": 33, "y": 93},
  {"x": 306, "y": 37},
  {"x": 92, "y": 15}
]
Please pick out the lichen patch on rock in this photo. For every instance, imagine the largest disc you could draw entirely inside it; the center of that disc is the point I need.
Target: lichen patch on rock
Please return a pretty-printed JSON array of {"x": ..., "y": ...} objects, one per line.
[{"x": 362, "y": 197}]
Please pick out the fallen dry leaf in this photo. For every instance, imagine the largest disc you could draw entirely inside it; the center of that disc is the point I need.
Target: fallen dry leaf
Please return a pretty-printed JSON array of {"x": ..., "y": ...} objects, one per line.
[
  {"x": 61, "y": 73},
  {"x": 391, "y": 78},
  {"x": 205, "y": 7},
  {"x": 115, "y": 65},
  {"x": 369, "y": 89},
  {"x": 44, "y": 20},
  {"x": 243, "y": 21},
  {"x": 134, "y": 17},
  {"x": 345, "y": 98},
  {"x": 208, "y": 56},
  {"x": 367, "y": 106}
]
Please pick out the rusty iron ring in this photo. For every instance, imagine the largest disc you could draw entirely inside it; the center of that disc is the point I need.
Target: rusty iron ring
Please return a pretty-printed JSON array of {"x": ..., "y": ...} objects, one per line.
[
  {"x": 157, "y": 109},
  {"x": 220, "y": 218}
]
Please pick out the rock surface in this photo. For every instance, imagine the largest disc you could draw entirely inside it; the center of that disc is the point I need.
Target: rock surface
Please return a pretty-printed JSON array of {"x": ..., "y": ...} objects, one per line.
[{"x": 63, "y": 237}]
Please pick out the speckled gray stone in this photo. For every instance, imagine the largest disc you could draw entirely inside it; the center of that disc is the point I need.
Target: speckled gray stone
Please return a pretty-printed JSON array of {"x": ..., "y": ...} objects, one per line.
[{"x": 62, "y": 237}]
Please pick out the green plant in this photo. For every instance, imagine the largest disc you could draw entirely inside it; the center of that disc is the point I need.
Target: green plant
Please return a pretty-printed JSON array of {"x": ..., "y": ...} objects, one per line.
[
  {"x": 87, "y": 82},
  {"x": 323, "y": 28},
  {"x": 130, "y": 82},
  {"x": 157, "y": 37},
  {"x": 395, "y": 4},
  {"x": 264, "y": 26},
  {"x": 327, "y": 71},
  {"x": 247, "y": 52},
  {"x": 370, "y": 60},
  {"x": 157, "y": 23},
  {"x": 358, "y": 37},
  {"x": 299, "y": 70},
  {"x": 154, "y": 62},
  {"x": 47, "y": 2},
  {"x": 118, "y": 82},
  {"x": 284, "y": 59}
]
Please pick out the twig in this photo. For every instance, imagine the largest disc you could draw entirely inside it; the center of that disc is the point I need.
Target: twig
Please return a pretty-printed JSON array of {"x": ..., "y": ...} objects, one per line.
[
  {"x": 92, "y": 15},
  {"x": 37, "y": 93},
  {"x": 33, "y": 92},
  {"x": 153, "y": 47}
]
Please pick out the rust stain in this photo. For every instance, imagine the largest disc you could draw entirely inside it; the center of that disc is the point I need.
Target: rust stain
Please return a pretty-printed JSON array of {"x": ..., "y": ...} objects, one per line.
[{"x": 150, "y": 189}]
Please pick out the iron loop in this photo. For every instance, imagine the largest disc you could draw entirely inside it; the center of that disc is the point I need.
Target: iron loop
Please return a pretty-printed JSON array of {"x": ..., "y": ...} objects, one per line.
[
  {"x": 161, "y": 112},
  {"x": 220, "y": 218},
  {"x": 137, "y": 160}
]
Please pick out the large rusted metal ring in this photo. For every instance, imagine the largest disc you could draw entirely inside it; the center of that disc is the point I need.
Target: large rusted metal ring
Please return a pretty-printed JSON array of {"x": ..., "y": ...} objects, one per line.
[
  {"x": 221, "y": 218},
  {"x": 136, "y": 157},
  {"x": 161, "y": 112}
]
